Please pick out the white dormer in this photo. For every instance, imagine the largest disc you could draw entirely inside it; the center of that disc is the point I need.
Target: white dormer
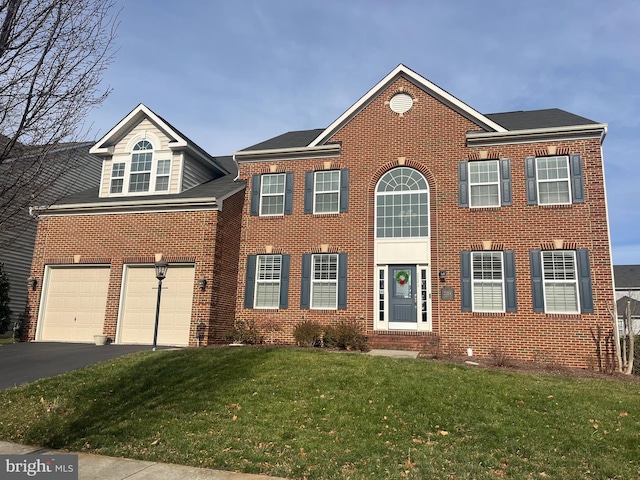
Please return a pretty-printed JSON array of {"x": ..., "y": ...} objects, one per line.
[{"x": 145, "y": 155}]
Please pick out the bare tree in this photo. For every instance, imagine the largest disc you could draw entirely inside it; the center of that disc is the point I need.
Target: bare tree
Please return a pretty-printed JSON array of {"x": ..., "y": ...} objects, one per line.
[{"x": 53, "y": 54}]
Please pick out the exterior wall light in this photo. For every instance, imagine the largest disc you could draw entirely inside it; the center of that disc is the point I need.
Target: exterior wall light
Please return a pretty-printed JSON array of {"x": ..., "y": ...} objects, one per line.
[
  {"x": 32, "y": 282},
  {"x": 442, "y": 275},
  {"x": 202, "y": 283}
]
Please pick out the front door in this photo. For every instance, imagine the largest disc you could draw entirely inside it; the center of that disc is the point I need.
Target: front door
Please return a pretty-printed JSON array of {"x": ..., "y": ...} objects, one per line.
[{"x": 403, "y": 297}]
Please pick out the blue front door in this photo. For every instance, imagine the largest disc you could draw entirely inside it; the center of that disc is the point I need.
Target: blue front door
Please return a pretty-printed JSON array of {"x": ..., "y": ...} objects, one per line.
[{"x": 403, "y": 312}]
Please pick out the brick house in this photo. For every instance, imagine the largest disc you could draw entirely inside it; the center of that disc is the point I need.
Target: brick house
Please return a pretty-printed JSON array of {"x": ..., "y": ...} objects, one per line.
[
  {"x": 434, "y": 226},
  {"x": 431, "y": 225},
  {"x": 160, "y": 196}
]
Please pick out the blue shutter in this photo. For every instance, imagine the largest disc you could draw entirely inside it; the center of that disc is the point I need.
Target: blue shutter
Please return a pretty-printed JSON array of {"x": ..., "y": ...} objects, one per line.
[
  {"x": 250, "y": 281},
  {"x": 305, "y": 289},
  {"x": 288, "y": 193},
  {"x": 463, "y": 185},
  {"x": 577, "y": 179},
  {"x": 465, "y": 276},
  {"x": 284, "y": 281},
  {"x": 342, "y": 281},
  {"x": 510, "y": 281},
  {"x": 530, "y": 176},
  {"x": 584, "y": 278},
  {"x": 308, "y": 192},
  {"x": 255, "y": 195},
  {"x": 537, "y": 292},
  {"x": 344, "y": 190},
  {"x": 505, "y": 181}
]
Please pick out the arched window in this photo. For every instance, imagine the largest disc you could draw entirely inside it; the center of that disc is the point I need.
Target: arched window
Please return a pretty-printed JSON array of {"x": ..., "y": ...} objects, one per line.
[
  {"x": 402, "y": 204},
  {"x": 141, "y": 160}
]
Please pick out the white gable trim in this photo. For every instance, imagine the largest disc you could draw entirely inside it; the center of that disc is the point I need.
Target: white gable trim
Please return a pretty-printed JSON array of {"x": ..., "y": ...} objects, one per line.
[
  {"x": 421, "y": 82},
  {"x": 102, "y": 147}
]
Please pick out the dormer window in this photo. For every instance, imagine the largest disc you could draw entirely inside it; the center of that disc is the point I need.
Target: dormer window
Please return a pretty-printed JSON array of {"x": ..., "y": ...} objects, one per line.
[
  {"x": 141, "y": 159},
  {"x": 145, "y": 170}
]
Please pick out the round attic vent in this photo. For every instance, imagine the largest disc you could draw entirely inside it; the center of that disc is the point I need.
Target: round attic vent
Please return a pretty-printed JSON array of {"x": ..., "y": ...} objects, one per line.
[{"x": 401, "y": 103}]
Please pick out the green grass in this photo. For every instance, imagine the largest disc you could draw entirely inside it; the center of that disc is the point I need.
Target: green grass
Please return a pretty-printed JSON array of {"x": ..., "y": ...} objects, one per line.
[{"x": 316, "y": 414}]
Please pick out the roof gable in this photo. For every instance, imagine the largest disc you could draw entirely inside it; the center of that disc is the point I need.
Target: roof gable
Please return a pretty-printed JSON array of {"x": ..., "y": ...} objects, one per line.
[
  {"x": 177, "y": 141},
  {"x": 419, "y": 81}
]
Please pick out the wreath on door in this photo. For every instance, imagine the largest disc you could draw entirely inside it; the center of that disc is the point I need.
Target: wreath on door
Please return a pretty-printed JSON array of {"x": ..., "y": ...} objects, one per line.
[{"x": 402, "y": 277}]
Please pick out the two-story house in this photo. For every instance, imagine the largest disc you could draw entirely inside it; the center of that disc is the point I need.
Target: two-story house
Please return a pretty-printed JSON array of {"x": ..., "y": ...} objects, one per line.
[
  {"x": 160, "y": 197},
  {"x": 428, "y": 223},
  {"x": 432, "y": 224}
]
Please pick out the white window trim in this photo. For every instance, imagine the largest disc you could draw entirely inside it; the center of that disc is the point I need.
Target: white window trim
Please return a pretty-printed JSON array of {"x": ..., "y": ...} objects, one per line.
[
  {"x": 575, "y": 281},
  {"x": 258, "y": 282},
  {"x": 323, "y": 281},
  {"x": 163, "y": 175},
  {"x": 496, "y": 183},
  {"x": 316, "y": 192},
  {"x": 568, "y": 181},
  {"x": 263, "y": 195},
  {"x": 474, "y": 281},
  {"x": 127, "y": 159},
  {"x": 122, "y": 177}
]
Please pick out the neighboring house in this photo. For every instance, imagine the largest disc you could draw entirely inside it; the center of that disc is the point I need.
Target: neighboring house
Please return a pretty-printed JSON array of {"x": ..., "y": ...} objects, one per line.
[
  {"x": 430, "y": 224},
  {"x": 159, "y": 196},
  {"x": 64, "y": 170},
  {"x": 627, "y": 280},
  {"x": 433, "y": 226}
]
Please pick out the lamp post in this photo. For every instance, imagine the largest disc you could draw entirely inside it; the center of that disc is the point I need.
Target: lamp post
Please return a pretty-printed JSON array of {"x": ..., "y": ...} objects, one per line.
[{"x": 161, "y": 273}]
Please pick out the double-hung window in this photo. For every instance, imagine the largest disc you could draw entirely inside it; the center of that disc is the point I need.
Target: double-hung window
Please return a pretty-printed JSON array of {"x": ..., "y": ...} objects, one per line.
[
  {"x": 117, "y": 177},
  {"x": 488, "y": 281},
  {"x": 141, "y": 160},
  {"x": 554, "y": 180},
  {"x": 326, "y": 191},
  {"x": 162, "y": 175},
  {"x": 324, "y": 281},
  {"x": 272, "y": 194},
  {"x": 561, "y": 281},
  {"x": 267, "y": 281},
  {"x": 484, "y": 183},
  {"x": 268, "y": 274}
]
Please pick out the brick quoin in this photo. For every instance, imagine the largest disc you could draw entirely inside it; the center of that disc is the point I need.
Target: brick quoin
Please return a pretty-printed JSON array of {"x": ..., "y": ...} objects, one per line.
[{"x": 431, "y": 138}]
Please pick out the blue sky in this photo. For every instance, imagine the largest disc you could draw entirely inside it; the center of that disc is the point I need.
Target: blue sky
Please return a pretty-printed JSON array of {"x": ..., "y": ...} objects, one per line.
[{"x": 230, "y": 74}]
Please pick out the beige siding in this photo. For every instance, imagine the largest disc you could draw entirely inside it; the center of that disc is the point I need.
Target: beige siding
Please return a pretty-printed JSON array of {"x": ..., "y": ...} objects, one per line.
[{"x": 194, "y": 173}]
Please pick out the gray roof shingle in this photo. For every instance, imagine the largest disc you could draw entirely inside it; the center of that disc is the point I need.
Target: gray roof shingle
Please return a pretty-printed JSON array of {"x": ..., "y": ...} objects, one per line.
[
  {"x": 627, "y": 277},
  {"x": 531, "y": 119},
  {"x": 299, "y": 138}
]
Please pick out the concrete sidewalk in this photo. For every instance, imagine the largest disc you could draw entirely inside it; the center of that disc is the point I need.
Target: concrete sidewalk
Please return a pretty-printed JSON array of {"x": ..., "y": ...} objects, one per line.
[{"x": 97, "y": 467}]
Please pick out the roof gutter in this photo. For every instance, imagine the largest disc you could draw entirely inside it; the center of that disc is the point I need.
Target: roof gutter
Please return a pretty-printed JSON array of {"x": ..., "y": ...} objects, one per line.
[
  {"x": 292, "y": 153},
  {"x": 575, "y": 132},
  {"x": 206, "y": 203}
]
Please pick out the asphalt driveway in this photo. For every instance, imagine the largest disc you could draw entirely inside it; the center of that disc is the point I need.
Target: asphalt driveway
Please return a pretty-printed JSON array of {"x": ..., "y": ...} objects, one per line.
[{"x": 28, "y": 362}]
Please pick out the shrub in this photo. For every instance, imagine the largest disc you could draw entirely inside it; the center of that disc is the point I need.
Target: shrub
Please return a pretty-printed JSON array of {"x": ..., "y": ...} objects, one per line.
[
  {"x": 636, "y": 352},
  {"x": 346, "y": 334},
  {"x": 308, "y": 334},
  {"x": 244, "y": 331},
  {"x": 5, "y": 311}
]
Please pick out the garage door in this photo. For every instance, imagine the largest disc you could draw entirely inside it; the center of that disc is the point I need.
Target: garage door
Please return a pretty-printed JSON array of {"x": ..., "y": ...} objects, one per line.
[
  {"x": 138, "y": 311},
  {"x": 74, "y": 304}
]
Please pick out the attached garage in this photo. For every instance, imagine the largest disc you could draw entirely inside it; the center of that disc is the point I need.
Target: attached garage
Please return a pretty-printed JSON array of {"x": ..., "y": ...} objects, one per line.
[
  {"x": 73, "y": 304},
  {"x": 138, "y": 305}
]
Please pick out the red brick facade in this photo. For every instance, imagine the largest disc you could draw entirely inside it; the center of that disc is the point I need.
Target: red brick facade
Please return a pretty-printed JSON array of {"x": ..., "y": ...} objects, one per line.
[
  {"x": 431, "y": 138},
  {"x": 207, "y": 238}
]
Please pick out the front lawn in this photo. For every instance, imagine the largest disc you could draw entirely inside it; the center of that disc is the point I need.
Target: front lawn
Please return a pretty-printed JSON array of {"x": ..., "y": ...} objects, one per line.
[{"x": 317, "y": 414}]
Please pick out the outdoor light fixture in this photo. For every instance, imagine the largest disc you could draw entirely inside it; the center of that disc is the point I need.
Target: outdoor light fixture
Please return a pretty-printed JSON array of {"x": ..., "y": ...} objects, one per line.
[
  {"x": 32, "y": 282},
  {"x": 202, "y": 283},
  {"x": 161, "y": 273},
  {"x": 442, "y": 275}
]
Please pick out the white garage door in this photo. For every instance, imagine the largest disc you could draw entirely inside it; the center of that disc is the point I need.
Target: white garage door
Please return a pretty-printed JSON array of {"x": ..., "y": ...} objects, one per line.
[
  {"x": 74, "y": 304},
  {"x": 138, "y": 310}
]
